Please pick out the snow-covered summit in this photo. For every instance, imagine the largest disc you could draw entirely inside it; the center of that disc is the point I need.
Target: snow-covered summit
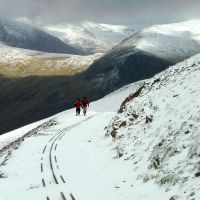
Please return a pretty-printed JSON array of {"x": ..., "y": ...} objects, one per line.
[
  {"x": 93, "y": 37},
  {"x": 174, "y": 42},
  {"x": 112, "y": 34}
]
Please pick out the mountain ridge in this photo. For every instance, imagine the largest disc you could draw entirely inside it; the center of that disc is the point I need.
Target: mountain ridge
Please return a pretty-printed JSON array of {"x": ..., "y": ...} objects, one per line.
[
  {"x": 17, "y": 34},
  {"x": 93, "y": 37}
]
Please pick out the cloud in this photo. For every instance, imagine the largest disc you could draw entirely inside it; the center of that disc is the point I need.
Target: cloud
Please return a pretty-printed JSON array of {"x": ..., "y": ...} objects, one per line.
[{"x": 109, "y": 11}]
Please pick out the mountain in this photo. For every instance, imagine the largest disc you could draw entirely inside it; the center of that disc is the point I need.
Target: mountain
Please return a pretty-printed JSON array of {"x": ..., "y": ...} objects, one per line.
[
  {"x": 140, "y": 142},
  {"x": 145, "y": 53},
  {"x": 18, "y": 34},
  {"x": 172, "y": 42},
  {"x": 89, "y": 36}
]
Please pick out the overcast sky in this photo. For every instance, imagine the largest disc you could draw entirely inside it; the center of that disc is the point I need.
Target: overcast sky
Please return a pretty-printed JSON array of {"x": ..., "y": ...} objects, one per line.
[{"x": 129, "y": 12}]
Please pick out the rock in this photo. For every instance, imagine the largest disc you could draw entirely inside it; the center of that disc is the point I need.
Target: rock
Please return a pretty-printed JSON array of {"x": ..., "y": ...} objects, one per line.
[
  {"x": 130, "y": 97},
  {"x": 114, "y": 133},
  {"x": 149, "y": 119},
  {"x": 2, "y": 176},
  {"x": 160, "y": 144},
  {"x": 197, "y": 174},
  {"x": 120, "y": 154},
  {"x": 135, "y": 115},
  {"x": 174, "y": 197},
  {"x": 156, "y": 162},
  {"x": 192, "y": 194},
  {"x": 135, "y": 162},
  {"x": 186, "y": 132},
  {"x": 123, "y": 124}
]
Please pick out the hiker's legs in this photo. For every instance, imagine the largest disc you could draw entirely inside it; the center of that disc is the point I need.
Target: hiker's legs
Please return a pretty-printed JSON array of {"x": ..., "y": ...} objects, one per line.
[
  {"x": 84, "y": 110},
  {"x": 77, "y": 111}
]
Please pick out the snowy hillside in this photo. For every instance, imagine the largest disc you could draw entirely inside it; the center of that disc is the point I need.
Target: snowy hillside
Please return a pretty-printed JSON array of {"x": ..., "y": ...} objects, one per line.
[
  {"x": 157, "y": 129},
  {"x": 153, "y": 152},
  {"x": 173, "y": 42},
  {"x": 89, "y": 36}
]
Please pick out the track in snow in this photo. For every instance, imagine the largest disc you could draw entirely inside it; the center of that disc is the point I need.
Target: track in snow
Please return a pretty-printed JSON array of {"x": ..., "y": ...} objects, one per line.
[{"x": 50, "y": 152}]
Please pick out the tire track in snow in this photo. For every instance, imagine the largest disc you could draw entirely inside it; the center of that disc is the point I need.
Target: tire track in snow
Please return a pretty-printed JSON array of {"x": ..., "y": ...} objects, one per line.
[
  {"x": 43, "y": 182},
  {"x": 41, "y": 167},
  {"x": 63, "y": 196},
  {"x": 44, "y": 149},
  {"x": 53, "y": 162},
  {"x": 62, "y": 179}
]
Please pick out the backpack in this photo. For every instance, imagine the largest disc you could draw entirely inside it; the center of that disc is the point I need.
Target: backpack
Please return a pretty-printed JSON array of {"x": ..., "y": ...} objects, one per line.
[{"x": 84, "y": 102}]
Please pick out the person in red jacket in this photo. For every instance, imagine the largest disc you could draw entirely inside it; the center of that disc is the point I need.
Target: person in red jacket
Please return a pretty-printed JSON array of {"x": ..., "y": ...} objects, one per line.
[
  {"x": 78, "y": 106},
  {"x": 85, "y": 104}
]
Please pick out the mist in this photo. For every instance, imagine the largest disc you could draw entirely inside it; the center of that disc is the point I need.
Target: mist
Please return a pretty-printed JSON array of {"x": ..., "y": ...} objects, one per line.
[{"x": 129, "y": 12}]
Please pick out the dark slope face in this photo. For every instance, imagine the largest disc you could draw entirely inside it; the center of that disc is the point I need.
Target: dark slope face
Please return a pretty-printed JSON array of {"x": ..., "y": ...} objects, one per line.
[
  {"x": 119, "y": 68},
  {"x": 25, "y": 100},
  {"x": 17, "y": 34}
]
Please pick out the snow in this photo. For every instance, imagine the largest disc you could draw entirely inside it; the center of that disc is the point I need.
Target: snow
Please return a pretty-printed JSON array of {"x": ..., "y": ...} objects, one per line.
[
  {"x": 11, "y": 136},
  {"x": 94, "y": 37},
  {"x": 70, "y": 156},
  {"x": 165, "y": 151},
  {"x": 174, "y": 42},
  {"x": 24, "y": 172}
]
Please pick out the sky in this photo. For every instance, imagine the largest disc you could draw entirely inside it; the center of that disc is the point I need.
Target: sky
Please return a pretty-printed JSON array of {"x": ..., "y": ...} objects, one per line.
[{"x": 127, "y": 12}]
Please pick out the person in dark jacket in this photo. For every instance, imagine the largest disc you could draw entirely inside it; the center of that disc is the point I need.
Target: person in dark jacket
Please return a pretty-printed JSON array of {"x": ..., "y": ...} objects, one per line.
[
  {"x": 78, "y": 106},
  {"x": 85, "y": 104}
]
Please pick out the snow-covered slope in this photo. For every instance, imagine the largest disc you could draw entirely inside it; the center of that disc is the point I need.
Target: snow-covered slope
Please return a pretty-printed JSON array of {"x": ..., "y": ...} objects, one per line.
[
  {"x": 174, "y": 42},
  {"x": 153, "y": 152},
  {"x": 83, "y": 147},
  {"x": 157, "y": 129},
  {"x": 89, "y": 36}
]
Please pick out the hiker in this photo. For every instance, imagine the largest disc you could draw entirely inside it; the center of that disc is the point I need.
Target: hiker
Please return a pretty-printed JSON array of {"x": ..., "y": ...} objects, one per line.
[
  {"x": 78, "y": 106},
  {"x": 85, "y": 104}
]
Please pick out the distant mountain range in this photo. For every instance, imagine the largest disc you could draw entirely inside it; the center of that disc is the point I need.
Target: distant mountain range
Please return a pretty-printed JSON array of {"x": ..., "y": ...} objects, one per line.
[
  {"x": 89, "y": 36},
  {"x": 83, "y": 39}
]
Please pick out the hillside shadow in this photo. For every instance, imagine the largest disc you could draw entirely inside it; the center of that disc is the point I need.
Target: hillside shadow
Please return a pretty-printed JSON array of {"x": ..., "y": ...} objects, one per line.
[{"x": 29, "y": 99}]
